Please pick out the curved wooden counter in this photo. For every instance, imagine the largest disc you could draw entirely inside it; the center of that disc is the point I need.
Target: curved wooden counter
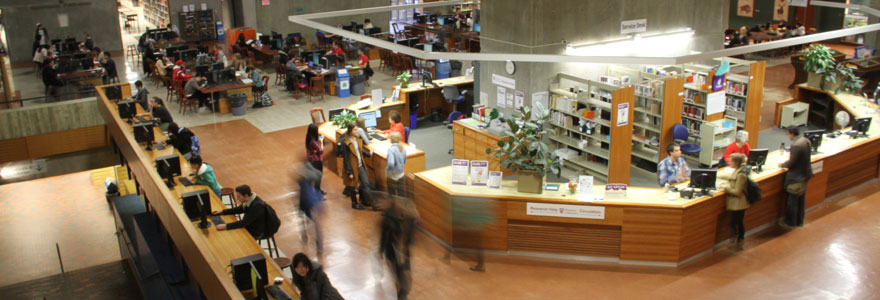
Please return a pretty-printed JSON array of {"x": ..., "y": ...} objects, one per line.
[{"x": 645, "y": 226}]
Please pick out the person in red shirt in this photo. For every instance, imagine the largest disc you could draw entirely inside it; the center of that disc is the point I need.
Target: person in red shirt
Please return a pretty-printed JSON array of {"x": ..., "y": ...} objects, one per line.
[
  {"x": 738, "y": 146},
  {"x": 396, "y": 125},
  {"x": 179, "y": 73},
  {"x": 364, "y": 62},
  {"x": 337, "y": 50}
]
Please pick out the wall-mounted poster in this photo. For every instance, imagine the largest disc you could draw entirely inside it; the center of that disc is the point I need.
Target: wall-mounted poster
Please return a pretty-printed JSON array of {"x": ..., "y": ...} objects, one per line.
[
  {"x": 780, "y": 10},
  {"x": 745, "y": 8}
]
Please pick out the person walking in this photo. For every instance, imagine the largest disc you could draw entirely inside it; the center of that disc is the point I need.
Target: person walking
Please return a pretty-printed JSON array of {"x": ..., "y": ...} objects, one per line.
[
  {"x": 736, "y": 203},
  {"x": 396, "y": 226},
  {"x": 309, "y": 202},
  {"x": 798, "y": 174}
]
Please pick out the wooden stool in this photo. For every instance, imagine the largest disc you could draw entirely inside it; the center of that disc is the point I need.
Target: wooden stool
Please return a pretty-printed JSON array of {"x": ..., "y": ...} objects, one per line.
[
  {"x": 284, "y": 262},
  {"x": 224, "y": 192},
  {"x": 271, "y": 246}
]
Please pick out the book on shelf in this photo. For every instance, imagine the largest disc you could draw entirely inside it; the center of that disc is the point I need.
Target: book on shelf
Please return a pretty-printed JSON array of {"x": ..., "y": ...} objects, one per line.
[{"x": 737, "y": 88}]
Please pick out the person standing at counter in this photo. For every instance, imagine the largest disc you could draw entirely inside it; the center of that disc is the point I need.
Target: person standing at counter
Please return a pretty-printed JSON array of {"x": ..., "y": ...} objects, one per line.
[
  {"x": 796, "y": 177},
  {"x": 352, "y": 157},
  {"x": 739, "y": 145},
  {"x": 394, "y": 167},
  {"x": 672, "y": 169},
  {"x": 736, "y": 203},
  {"x": 315, "y": 152}
]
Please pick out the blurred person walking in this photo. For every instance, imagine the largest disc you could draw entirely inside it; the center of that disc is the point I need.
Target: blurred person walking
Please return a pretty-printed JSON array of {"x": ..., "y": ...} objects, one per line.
[
  {"x": 310, "y": 204},
  {"x": 397, "y": 226}
]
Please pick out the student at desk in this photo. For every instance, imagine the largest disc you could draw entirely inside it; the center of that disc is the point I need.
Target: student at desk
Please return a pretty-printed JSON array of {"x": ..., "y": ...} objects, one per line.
[
  {"x": 141, "y": 96},
  {"x": 204, "y": 174},
  {"x": 160, "y": 113},
  {"x": 672, "y": 169},
  {"x": 337, "y": 50},
  {"x": 739, "y": 145},
  {"x": 181, "y": 139},
  {"x": 110, "y": 68},
  {"x": 193, "y": 89},
  {"x": 254, "y": 209}
]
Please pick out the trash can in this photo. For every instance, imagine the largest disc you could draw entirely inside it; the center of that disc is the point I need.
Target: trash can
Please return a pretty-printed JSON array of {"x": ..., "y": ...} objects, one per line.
[
  {"x": 443, "y": 69},
  {"x": 456, "y": 68},
  {"x": 413, "y": 120},
  {"x": 237, "y": 104},
  {"x": 358, "y": 84},
  {"x": 342, "y": 83}
]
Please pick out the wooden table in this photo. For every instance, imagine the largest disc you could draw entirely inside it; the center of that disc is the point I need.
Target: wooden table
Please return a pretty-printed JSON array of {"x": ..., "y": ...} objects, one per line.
[
  {"x": 644, "y": 226},
  {"x": 229, "y": 88},
  {"x": 266, "y": 52},
  {"x": 178, "y": 41},
  {"x": 431, "y": 96},
  {"x": 206, "y": 253}
]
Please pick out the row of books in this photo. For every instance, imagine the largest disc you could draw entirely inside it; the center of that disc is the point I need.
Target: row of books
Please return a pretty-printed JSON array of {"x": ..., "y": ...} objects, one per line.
[
  {"x": 692, "y": 126},
  {"x": 737, "y": 88},
  {"x": 692, "y": 111},
  {"x": 736, "y": 103},
  {"x": 691, "y": 96}
]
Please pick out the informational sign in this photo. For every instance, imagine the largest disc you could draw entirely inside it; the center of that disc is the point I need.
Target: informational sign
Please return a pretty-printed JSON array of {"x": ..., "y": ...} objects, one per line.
[
  {"x": 615, "y": 191},
  {"x": 622, "y": 114},
  {"x": 509, "y": 100},
  {"x": 504, "y": 81},
  {"x": 63, "y": 20},
  {"x": 633, "y": 26},
  {"x": 817, "y": 166},
  {"x": 479, "y": 172},
  {"x": 204, "y": 6},
  {"x": 500, "y": 97},
  {"x": 801, "y": 3},
  {"x": 585, "y": 184},
  {"x": 495, "y": 179},
  {"x": 192, "y": 7},
  {"x": 718, "y": 83},
  {"x": 715, "y": 103},
  {"x": 780, "y": 10},
  {"x": 459, "y": 171},
  {"x": 565, "y": 210},
  {"x": 745, "y": 8},
  {"x": 520, "y": 99}
]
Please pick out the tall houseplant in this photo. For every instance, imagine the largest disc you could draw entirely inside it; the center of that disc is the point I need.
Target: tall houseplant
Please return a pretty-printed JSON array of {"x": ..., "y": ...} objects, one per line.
[
  {"x": 524, "y": 151},
  {"x": 821, "y": 67},
  {"x": 849, "y": 81}
]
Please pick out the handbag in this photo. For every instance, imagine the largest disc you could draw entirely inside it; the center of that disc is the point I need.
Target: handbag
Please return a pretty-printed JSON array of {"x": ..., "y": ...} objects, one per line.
[{"x": 796, "y": 188}]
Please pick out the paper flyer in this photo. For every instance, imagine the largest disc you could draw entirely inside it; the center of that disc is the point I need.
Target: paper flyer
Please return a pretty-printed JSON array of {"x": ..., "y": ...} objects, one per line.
[
  {"x": 459, "y": 171},
  {"x": 495, "y": 179},
  {"x": 479, "y": 172}
]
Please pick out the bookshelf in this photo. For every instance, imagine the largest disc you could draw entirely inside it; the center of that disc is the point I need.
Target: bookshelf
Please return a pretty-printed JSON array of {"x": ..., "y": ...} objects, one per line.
[
  {"x": 156, "y": 12},
  {"x": 198, "y": 26},
  {"x": 716, "y": 136},
  {"x": 584, "y": 131},
  {"x": 468, "y": 6}
]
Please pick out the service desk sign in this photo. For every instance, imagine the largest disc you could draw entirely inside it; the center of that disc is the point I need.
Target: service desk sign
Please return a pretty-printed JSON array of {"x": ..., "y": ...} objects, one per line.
[
  {"x": 615, "y": 191},
  {"x": 633, "y": 26},
  {"x": 565, "y": 210},
  {"x": 801, "y": 3}
]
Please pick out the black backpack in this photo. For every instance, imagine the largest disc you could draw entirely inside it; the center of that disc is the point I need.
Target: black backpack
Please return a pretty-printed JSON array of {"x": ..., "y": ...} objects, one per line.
[
  {"x": 753, "y": 190},
  {"x": 340, "y": 148},
  {"x": 272, "y": 221}
]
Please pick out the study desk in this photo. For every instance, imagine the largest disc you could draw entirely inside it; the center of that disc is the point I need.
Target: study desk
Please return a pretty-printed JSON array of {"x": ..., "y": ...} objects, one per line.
[
  {"x": 228, "y": 88},
  {"x": 206, "y": 253},
  {"x": 384, "y": 109},
  {"x": 178, "y": 41},
  {"x": 644, "y": 226},
  {"x": 430, "y": 96},
  {"x": 375, "y": 164}
]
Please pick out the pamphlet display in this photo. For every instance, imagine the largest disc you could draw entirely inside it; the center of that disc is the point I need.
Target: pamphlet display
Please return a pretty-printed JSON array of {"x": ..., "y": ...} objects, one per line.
[
  {"x": 495, "y": 179},
  {"x": 615, "y": 191},
  {"x": 479, "y": 172},
  {"x": 459, "y": 171}
]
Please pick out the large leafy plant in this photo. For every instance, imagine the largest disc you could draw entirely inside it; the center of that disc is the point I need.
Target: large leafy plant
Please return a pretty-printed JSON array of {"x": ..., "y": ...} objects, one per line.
[
  {"x": 851, "y": 82},
  {"x": 523, "y": 148},
  {"x": 344, "y": 118},
  {"x": 820, "y": 59}
]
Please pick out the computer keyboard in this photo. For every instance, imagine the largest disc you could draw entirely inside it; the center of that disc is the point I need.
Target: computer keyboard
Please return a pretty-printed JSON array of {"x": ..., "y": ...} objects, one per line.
[
  {"x": 378, "y": 137},
  {"x": 217, "y": 220},
  {"x": 140, "y": 119},
  {"x": 277, "y": 292},
  {"x": 159, "y": 146},
  {"x": 185, "y": 181}
]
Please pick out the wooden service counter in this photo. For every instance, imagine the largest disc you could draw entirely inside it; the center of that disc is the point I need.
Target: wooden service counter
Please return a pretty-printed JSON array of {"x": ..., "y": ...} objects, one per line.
[
  {"x": 644, "y": 226},
  {"x": 430, "y": 96},
  {"x": 206, "y": 253},
  {"x": 375, "y": 165}
]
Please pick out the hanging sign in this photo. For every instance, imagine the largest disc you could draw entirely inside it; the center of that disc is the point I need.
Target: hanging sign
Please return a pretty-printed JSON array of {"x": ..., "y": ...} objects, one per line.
[{"x": 633, "y": 26}]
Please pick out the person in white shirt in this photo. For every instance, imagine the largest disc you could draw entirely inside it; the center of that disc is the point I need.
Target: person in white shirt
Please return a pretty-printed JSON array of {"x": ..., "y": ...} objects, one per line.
[
  {"x": 368, "y": 24},
  {"x": 40, "y": 55}
]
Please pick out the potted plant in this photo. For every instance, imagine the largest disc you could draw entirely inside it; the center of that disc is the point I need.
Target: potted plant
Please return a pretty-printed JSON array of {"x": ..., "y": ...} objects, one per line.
[
  {"x": 344, "y": 118},
  {"x": 523, "y": 150},
  {"x": 403, "y": 78},
  {"x": 849, "y": 81},
  {"x": 820, "y": 66}
]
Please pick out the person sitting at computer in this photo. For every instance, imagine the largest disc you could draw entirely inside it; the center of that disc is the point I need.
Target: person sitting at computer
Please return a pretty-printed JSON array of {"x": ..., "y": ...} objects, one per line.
[
  {"x": 739, "y": 145},
  {"x": 336, "y": 49},
  {"x": 364, "y": 62},
  {"x": 204, "y": 174},
  {"x": 181, "y": 139},
  {"x": 257, "y": 76},
  {"x": 238, "y": 63},
  {"x": 141, "y": 96},
  {"x": 178, "y": 74},
  {"x": 89, "y": 42},
  {"x": 293, "y": 75},
  {"x": 98, "y": 54},
  {"x": 160, "y": 113},
  {"x": 163, "y": 65},
  {"x": 193, "y": 90},
  {"x": 110, "y": 68},
  {"x": 672, "y": 169},
  {"x": 368, "y": 24},
  {"x": 396, "y": 125},
  {"x": 311, "y": 281},
  {"x": 170, "y": 27},
  {"x": 148, "y": 58},
  {"x": 50, "y": 77},
  {"x": 254, "y": 209},
  {"x": 459, "y": 17}
]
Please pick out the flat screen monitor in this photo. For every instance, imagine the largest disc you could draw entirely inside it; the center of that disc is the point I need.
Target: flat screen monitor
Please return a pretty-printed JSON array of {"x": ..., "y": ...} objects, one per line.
[
  {"x": 757, "y": 157},
  {"x": 227, "y": 75},
  {"x": 194, "y": 203},
  {"x": 143, "y": 133},
  {"x": 168, "y": 166},
  {"x": 861, "y": 125},
  {"x": 703, "y": 179},
  {"x": 203, "y": 70},
  {"x": 374, "y": 30},
  {"x": 369, "y": 119},
  {"x": 113, "y": 93},
  {"x": 265, "y": 39},
  {"x": 127, "y": 109},
  {"x": 334, "y": 112},
  {"x": 79, "y": 56},
  {"x": 217, "y": 66},
  {"x": 276, "y": 36},
  {"x": 172, "y": 53},
  {"x": 815, "y": 137},
  {"x": 248, "y": 271},
  {"x": 188, "y": 55},
  {"x": 422, "y": 19}
]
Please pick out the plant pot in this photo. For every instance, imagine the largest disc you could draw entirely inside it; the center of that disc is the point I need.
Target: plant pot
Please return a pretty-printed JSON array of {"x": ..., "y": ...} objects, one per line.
[
  {"x": 404, "y": 84},
  {"x": 530, "y": 182},
  {"x": 814, "y": 80},
  {"x": 829, "y": 86}
]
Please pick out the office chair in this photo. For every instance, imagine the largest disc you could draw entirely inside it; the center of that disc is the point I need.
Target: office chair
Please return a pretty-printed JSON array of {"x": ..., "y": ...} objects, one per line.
[
  {"x": 452, "y": 95},
  {"x": 680, "y": 136}
]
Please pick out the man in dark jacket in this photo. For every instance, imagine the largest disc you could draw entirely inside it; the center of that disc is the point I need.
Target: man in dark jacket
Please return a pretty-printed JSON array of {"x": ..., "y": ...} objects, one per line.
[
  {"x": 50, "y": 78},
  {"x": 110, "y": 67},
  {"x": 799, "y": 172},
  {"x": 254, "y": 210},
  {"x": 180, "y": 138}
]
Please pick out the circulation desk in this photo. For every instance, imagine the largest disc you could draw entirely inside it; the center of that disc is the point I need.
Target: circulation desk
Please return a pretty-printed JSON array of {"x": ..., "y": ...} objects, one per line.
[
  {"x": 206, "y": 253},
  {"x": 430, "y": 96},
  {"x": 644, "y": 226}
]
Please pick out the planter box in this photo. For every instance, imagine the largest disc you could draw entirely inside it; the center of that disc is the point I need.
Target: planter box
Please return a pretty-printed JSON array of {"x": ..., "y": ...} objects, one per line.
[
  {"x": 815, "y": 80},
  {"x": 530, "y": 182}
]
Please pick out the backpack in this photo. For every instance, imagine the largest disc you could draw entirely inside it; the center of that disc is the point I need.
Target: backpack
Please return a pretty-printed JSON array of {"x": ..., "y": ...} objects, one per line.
[
  {"x": 753, "y": 190},
  {"x": 340, "y": 148},
  {"x": 272, "y": 221},
  {"x": 266, "y": 99},
  {"x": 194, "y": 145}
]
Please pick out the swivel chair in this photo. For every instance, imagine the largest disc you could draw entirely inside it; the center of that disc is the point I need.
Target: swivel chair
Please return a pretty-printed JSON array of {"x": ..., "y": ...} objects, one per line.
[
  {"x": 680, "y": 136},
  {"x": 452, "y": 95}
]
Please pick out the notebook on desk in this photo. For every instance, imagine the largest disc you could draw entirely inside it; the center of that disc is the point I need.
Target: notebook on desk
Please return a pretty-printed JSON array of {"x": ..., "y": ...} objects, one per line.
[{"x": 247, "y": 81}]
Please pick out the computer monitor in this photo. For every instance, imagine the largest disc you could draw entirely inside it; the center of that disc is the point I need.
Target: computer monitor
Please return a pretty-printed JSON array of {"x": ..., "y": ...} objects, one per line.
[
  {"x": 815, "y": 137},
  {"x": 203, "y": 70},
  {"x": 427, "y": 78},
  {"x": 69, "y": 47},
  {"x": 113, "y": 93},
  {"x": 171, "y": 53},
  {"x": 127, "y": 109},
  {"x": 861, "y": 125},
  {"x": 369, "y": 119},
  {"x": 334, "y": 112},
  {"x": 197, "y": 205},
  {"x": 276, "y": 44},
  {"x": 703, "y": 179},
  {"x": 422, "y": 18},
  {"x": 188, "y": 55},
  {"x": 250, "y": 272},
  {"x": 168, "y": 166},
  {"x": 276, "y": 36},
  {"x": 226, "y": 75},
  {"x": 143, "y": 133},
  {"x": 265, "y": 39},
  {"x": 374, "y": 30},
  {"x": 217, "y": 66},
  {"x": 757, "y": 158}
]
